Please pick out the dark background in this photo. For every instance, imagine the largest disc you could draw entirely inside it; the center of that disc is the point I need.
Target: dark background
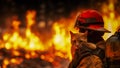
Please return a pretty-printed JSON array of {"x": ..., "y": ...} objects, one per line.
[{"x": 47, "y": 9}]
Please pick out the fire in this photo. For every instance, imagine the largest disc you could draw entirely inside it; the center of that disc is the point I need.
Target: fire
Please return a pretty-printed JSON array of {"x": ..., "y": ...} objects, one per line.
[
  {"x": 31, "y": 44},
  {"x": 110, "y": 19},
  {"x": 26, "y": 43},
  {"x": 61, "y": 40}
]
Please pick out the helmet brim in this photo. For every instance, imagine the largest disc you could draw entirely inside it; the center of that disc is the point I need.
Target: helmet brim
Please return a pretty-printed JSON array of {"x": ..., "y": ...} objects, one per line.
[{"x": 102, "y": 29}]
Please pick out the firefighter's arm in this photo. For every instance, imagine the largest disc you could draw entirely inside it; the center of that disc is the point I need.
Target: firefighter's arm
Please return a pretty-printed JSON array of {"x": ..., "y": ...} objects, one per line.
[{"x": 91, "y": 62}]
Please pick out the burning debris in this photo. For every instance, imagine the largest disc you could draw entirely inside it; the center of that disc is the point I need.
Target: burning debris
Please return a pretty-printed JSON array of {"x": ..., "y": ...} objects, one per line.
[
  {"x": 9, "y": 60},
  {"x": 24, "y": 48}
]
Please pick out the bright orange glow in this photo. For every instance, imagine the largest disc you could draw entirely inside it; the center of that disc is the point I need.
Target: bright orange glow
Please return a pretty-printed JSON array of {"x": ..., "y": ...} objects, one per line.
[
  {"x": 5, "y": 62},
  {"x": 111, "y": 21},
  {"x": 58, "y": 45},
  {"x": 13, "y": 60},
  {"x": 16, "y": 53},
  {"x": 30, "y": 18},
  {"x": 27, "y": 56}
]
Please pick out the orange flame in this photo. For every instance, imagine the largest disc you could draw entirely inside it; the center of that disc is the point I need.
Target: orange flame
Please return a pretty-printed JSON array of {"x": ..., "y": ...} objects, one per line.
[
  {"x": 15, "y": 41},
  {"x": 110, "y": 19},
  {"x": 61, "y": 40},
  {"x": 30, "y": 42}
]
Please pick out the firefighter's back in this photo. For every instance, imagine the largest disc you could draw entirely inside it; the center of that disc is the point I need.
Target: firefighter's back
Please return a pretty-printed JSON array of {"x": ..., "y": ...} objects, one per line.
[{"x": 113, "y": 51}]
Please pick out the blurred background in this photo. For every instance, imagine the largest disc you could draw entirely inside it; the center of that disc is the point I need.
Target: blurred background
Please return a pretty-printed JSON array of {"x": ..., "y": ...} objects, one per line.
[
  {"x": 50, "y": 9},
  {"x": 36, "y": 32}
]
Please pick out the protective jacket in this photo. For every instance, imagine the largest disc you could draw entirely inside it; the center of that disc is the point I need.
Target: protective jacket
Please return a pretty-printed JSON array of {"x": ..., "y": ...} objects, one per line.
[{"x": 87, "y": 58}]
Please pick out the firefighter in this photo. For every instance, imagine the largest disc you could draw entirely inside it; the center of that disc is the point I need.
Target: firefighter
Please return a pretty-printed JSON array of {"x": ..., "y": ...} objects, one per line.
[
  {"x": 91, "y": 23},
  {"x": 113, "y": 50}
]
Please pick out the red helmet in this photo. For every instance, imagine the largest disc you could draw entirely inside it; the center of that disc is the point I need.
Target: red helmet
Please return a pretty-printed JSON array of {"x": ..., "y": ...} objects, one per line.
[{"x": 90, "y": 19}]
